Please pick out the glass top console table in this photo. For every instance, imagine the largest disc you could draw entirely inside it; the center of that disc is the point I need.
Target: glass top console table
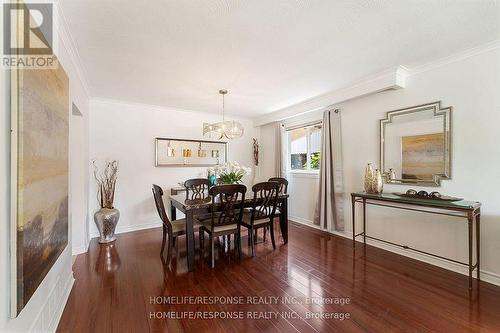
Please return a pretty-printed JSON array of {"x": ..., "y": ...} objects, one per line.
[{"x": 470, "y": 210}]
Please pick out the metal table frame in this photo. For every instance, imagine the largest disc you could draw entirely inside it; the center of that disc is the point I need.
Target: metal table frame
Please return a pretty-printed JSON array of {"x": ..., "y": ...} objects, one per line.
[{"x": 470, "y": 213}]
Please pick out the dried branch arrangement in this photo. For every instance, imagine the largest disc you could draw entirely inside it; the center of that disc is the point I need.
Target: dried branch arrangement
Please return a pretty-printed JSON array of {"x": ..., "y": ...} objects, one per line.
[
  {"x": 106, "y": 182},
  {"x": 255, "y": 152}
]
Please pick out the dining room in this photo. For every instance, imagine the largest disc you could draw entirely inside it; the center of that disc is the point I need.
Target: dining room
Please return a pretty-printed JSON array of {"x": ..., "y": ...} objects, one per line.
[{"x": 250, "y": 166}]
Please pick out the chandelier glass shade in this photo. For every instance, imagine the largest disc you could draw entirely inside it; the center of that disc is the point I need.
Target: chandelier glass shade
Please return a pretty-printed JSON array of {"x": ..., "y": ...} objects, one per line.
[{"x": 229, "y": 129}]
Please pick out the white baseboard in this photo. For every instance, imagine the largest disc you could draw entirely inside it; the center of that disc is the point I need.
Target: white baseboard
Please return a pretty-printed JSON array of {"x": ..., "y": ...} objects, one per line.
[
  {"x": 303, "y": 221},
  {"x": 80, "y": 249},
  {"x": 129, "y": 228},
  {"x": 51, "y": 312},
  {"x": 61, "y": 301},
  {"x": 486, "y": 276}
]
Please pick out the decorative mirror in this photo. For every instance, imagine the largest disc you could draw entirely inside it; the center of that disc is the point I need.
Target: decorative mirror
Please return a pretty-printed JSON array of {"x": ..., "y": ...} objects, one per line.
[{"x": 415, "y": 145}]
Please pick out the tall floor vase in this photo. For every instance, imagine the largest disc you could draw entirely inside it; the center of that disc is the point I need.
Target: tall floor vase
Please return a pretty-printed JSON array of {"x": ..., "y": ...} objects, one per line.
[{"x": 106, "y": 220}]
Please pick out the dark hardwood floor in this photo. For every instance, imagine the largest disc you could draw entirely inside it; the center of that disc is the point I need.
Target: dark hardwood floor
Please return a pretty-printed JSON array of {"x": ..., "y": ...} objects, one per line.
[{"x": 117, "y": 285}]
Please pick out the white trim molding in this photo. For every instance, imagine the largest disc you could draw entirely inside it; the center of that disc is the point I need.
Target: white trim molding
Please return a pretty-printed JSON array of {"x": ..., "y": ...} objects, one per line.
[
  {"x": 51, "y": 312},
  {"x": 486, "y": 276},
  {"x": 130, "y": 228},
  {"x": 80, "y": 249},
  {"x": 70, "y": 46},
  {"x": 60, "y": 302},
  {"x": 394, "y": 78},
  {"x": 160, "y": 108},
  {"x": 493, "y": 45}
]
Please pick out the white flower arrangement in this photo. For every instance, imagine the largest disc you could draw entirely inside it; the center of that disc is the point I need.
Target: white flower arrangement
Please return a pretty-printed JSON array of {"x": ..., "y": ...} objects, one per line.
[{"x": 230, "y": 173}]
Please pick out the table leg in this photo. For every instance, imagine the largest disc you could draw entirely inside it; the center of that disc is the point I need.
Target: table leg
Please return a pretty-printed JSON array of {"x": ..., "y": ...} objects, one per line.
[
  {"x": 284, "y": 220},
  {"x": 478, "y": 243},
  {"x": 364, "y": 221},
  {"x": 173, "y": 212},
  {"x": 469, "y": 223},
  {"x": 353, "y": 202},
  {"x": 190, "y": 240}
]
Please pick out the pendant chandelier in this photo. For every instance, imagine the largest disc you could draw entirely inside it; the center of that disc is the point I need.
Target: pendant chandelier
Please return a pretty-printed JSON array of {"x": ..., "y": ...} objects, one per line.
[{"x": 229, "y": 129}]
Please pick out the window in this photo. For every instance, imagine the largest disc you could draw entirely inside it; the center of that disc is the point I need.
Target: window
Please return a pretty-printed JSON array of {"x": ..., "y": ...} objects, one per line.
[{"x": 304, "y": 146}]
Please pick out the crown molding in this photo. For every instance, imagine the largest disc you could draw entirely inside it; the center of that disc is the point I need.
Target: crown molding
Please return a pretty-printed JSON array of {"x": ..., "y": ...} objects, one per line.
[
  {"x": 390, "y": 79},
  {"x": 160, "y": 108},
  {"x": 104, "y": 100},
  {"x": 459, "y": 56},
  {"x": 394, "y": 78},
  {"x": 70, "y": 46}
]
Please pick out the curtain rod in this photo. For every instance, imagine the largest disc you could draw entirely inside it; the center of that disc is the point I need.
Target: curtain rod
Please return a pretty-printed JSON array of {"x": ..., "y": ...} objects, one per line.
[{"x": 309, "y": 124}]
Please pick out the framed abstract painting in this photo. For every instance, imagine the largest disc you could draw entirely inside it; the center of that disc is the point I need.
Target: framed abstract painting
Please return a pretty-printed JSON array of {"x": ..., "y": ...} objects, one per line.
[{"x": 39, "y": 173}]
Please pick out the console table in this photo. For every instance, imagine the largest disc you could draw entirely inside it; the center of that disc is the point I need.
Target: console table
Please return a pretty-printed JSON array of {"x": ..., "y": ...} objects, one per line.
[{"x": 469, "y": 210}]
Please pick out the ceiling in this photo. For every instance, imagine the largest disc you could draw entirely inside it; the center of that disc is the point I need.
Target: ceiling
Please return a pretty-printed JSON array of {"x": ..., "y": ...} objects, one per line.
[{"x": 269, "y": 54}]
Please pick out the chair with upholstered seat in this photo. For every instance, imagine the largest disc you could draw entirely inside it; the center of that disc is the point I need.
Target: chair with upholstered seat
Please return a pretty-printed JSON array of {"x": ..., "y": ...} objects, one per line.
[
  {"x": 171, "y": 229},
  {"x": 283, "y": 189},
  {"x": 265, "y": 198},
  {"x": 225, "y": 217}
]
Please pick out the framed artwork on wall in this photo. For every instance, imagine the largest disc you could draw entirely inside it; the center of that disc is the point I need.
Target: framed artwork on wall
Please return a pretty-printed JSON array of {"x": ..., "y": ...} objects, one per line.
[
  {"x": 189, "y": 153},
  {"x": 421, "y": 155},
  {"x": 39, "y": 177}
]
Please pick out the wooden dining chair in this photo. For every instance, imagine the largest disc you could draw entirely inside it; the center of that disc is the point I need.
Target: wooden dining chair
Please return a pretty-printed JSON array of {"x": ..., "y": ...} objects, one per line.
[
  {"x": 225, "y": 216},
  {"x": 283, "y": 189},
  {"x": 197, "y": 191},
  {"x": 197, "y": 187},
  {"x": 171, "y": 229},
  {"x": 265, "y": 199}
]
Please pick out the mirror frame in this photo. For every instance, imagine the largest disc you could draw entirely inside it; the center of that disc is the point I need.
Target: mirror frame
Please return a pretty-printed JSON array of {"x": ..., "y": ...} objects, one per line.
[
  {"x": 438, "y": 111},
  {"x": 158, "y": 163}
]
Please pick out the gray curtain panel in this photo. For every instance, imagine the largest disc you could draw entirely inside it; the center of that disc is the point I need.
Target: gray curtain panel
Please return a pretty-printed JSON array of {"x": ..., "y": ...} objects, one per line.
[
  {"x": 329, "y": 212},
  {"x": 280, "y": 150}
]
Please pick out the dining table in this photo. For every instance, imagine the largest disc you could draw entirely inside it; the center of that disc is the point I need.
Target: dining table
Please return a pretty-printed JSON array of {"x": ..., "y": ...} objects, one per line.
[{"x": 192, "y": 204}]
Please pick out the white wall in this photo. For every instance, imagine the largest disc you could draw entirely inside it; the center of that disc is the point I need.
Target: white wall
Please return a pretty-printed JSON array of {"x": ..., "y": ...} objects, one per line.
[
  {"x": 469, "y": 84},
  {"x": 44, "y": 309},
  {"x": 79, "y": 174},
  {"x": 126, "y": 132},
  {"x": 267, "y": 152}
]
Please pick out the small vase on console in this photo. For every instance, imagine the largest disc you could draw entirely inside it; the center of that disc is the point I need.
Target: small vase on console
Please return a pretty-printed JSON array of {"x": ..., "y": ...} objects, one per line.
[
  {"x": 373, "y": 180},
  {"x": 378, "y": 183},
  {"x": 369, "y": 174}
]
